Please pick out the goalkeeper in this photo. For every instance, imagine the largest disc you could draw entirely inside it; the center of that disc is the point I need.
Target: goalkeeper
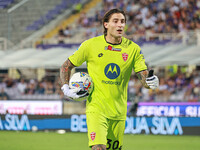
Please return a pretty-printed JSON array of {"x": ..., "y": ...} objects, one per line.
[{"x": 110, "y": 59}]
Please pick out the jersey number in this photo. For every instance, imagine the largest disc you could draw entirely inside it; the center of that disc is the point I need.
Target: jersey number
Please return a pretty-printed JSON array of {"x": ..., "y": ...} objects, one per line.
[{"x": 115, "y": 144}]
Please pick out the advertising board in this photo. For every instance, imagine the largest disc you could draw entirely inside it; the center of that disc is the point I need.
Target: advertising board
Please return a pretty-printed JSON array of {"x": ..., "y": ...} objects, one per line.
[
  {"x": 31, "y": 107},
  {"x": 77, "y": 123},
  {"x": 170, "y": 109}
]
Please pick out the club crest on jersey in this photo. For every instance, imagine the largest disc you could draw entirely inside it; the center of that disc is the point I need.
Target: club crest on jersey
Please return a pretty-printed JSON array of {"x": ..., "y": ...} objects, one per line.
[
  {"x": 92, "y": 135},
  {"x": 125, "y": 56},
  {"x": 110, "y": 48}
]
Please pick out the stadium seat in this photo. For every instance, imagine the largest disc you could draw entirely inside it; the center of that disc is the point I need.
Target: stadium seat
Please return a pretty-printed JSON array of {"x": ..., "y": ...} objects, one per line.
[{"x": 5, "y": 3}]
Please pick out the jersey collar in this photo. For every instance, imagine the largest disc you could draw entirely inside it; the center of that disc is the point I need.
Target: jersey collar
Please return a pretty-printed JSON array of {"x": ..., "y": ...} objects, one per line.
[{"x": 111, "y": 43}]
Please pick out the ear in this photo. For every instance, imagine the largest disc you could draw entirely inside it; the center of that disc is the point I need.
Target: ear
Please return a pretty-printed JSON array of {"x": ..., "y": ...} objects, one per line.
[{"x": 106, "y": 25}]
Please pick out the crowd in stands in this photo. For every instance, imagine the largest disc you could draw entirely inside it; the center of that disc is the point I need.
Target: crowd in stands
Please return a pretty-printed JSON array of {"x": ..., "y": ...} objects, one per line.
[
  {"x": 146, "y": 16},
  {"x": 179, "y": 86},
  {"x": 173, "y": 87},
  {"x": 14, "y": 89}
]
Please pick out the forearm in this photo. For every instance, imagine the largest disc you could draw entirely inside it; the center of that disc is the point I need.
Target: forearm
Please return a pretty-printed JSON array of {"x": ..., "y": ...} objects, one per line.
[
  {"x": 142, "y": 75},
  {"x": 65, "y": 71}
]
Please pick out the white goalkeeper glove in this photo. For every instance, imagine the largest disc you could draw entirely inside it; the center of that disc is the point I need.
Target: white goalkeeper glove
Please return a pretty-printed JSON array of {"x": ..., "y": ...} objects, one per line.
[
  {"x": 72, "y": 93},
  {"x": 152, "y": 82}
]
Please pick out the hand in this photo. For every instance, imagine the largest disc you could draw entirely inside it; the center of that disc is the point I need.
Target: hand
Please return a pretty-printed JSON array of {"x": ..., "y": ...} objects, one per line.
[
  {"x": 73, "y": 93},
  {"x": 152, "y": 82}
]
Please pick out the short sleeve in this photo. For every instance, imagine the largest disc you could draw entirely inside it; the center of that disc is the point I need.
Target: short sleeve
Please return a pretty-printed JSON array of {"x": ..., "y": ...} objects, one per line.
[
  {"x": 80, "y": 55},
  {"x": 139, "y": 61}
]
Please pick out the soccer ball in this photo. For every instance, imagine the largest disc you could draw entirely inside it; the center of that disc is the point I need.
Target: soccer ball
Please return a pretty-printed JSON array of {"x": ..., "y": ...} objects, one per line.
[{"x": 83, "y": 81}]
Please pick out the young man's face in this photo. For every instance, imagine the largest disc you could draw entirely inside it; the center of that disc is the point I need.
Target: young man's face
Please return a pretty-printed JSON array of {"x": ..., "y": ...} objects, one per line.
[{"x": 115, "y": 25}]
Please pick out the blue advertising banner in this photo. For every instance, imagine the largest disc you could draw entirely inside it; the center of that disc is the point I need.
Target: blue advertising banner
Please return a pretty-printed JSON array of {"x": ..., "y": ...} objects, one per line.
[
  {"x": 169, "y": 109},
  {"x": 77, "y": 123}
]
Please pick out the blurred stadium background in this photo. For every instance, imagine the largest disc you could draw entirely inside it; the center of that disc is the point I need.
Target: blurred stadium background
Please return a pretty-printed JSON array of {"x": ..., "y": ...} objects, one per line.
[{"x": 37, "y": 36}]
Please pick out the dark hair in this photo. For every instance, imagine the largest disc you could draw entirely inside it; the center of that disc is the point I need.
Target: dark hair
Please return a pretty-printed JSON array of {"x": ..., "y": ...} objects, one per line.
[{"x": 108, "y": 15}]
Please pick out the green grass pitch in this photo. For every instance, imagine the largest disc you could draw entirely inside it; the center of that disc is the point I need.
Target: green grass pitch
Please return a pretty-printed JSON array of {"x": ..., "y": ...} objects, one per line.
[{"x": 12, "y": 140}]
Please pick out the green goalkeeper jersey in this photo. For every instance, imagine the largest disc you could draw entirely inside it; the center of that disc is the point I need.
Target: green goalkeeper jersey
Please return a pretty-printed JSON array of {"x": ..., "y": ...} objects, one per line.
[{"x": 110, "y": 68}]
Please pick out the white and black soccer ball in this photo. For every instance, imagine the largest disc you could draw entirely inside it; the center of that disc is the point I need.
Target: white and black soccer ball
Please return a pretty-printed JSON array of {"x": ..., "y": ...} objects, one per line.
[{"x": 83, "y": 81}]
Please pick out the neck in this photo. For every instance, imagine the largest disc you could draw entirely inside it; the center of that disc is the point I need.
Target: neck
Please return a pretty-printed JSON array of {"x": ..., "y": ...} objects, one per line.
[{"x": 113, "y": 40}]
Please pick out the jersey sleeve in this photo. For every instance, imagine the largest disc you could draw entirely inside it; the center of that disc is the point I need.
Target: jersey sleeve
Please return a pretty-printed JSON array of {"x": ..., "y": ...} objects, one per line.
[
  {"x": 139, "y": 61},
  {"x": 80, "y": 55}
]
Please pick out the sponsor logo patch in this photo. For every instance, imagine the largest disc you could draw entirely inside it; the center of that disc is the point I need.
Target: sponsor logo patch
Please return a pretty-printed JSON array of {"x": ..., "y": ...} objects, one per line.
[
  {"x": 110, "y": 48},
  {"x": 92, "y": 135},
  {"x": 100, "y": 55},
  {"x": 112, "y": 71}
]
